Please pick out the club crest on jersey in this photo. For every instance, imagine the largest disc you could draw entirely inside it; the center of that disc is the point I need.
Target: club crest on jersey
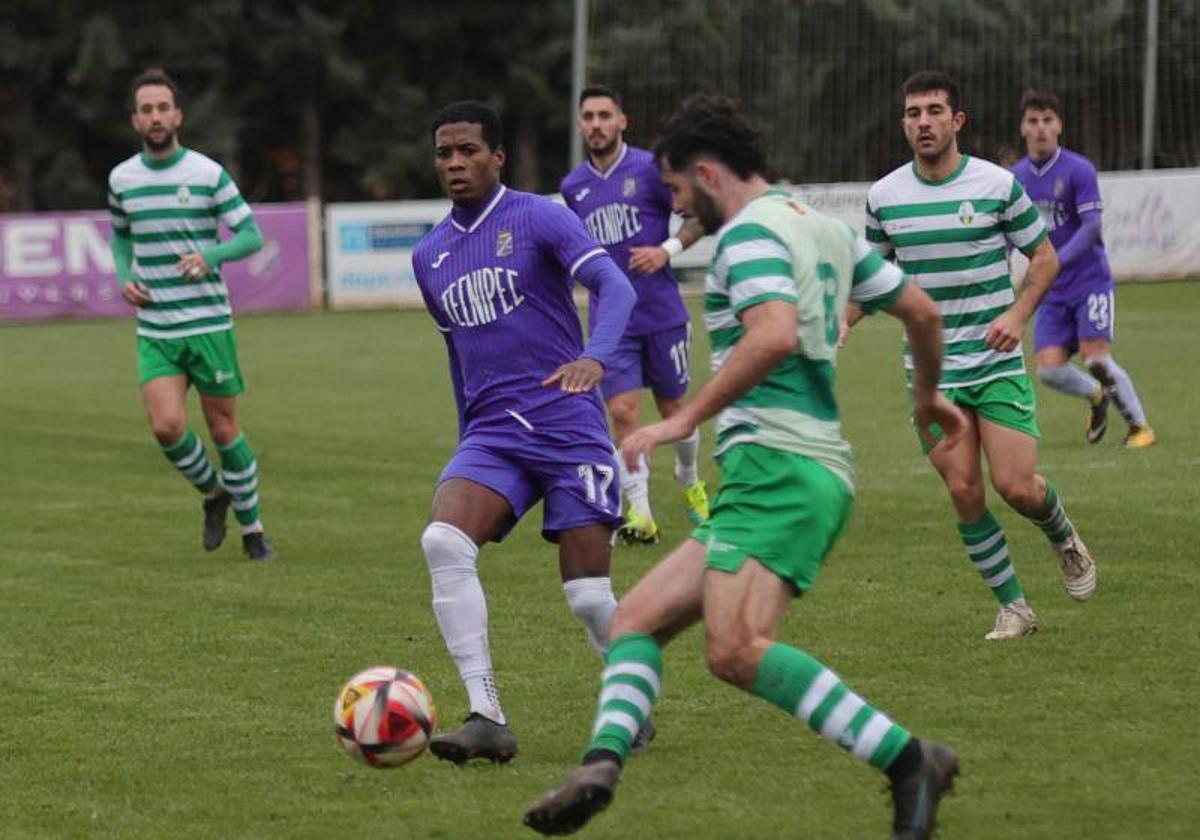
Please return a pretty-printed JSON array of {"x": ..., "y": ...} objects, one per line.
[
  {"x": 629, "y": 187},
  {"x": 183, "y": 195},
  {"x": 504, "y": 243},
  {"x": 966, "y": 213},
  {"x": 1058, "y": 187}
]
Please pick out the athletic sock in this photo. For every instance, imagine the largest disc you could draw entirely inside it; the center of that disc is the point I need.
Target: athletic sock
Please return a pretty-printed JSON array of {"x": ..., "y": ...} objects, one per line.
[
  {"x": 1070, "y": 380},
  {"x": 592, "y": 601},
  {"x": 630, "y": 684},
  {"x": 239, "y": 474},
  {"x": 686, "y": 452},
  {"x": 1054, "y": 522},
  {"x": 803, "y": 687},
  {"x": 635, "y": 486},
  {"x": 1120, "y": 387},
  {"x": 189, "y": 457},
  {"x": 987, "y": 549},
  {"x": 462, "y": 614}
]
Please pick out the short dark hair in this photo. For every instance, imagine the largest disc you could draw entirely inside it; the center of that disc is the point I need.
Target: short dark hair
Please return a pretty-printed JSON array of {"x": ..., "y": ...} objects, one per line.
[
  {"x": 1040, "y": 100},
  {"x": 600, "y": 90},
  {"x": 713, "y": 125},
  {"x": 471, "y": 111},
  {"x": 927, "y": 81},
  {"x": 153, "y": 76}
]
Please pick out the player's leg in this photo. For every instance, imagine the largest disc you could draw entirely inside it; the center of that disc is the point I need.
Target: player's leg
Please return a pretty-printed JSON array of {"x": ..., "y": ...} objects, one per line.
[
  {"x": 624, "y": 409},
  {"x": 465, "y": 515},
  {"x": 1055, "y": 339},
  {"x": 1012, "y": 462},
  {"x": 1097, "y": 352},
  {"x": 980, "y": 532},
  {"x": 667, "y": 368},
  {"x": 662, "y": 604}
]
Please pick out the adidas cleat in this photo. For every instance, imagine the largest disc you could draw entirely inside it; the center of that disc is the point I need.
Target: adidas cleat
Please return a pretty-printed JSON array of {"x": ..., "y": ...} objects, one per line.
[
  {"x": 478, "y": 737},
  {"x": 586, "y": 792}
]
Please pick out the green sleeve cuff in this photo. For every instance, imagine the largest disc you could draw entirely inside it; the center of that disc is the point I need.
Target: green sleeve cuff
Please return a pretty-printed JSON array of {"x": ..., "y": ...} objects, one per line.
[{"x": 246, "y": 240}]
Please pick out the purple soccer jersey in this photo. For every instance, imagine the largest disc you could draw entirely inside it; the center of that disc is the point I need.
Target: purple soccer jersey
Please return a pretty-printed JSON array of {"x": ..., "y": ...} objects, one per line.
[
  {"x": 1079, "y": 304},
  {"x": 625, "y": 206},
  {"x": 498, "y": 284}
]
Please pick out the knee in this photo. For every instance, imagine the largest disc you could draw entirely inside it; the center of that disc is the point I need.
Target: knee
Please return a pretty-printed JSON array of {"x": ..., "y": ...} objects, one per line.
[
  {"x": 625, "y": 414},
  {"x": 625, "y": 620},
  {"x": 733, "y": 661},
  {"x": 591, "y": 598},
  {"x": 1050, "y": 374},
  {"x": 447, "y": 549},
  {"x": 168, "y": 427},
  {"x": 965, "y": 491},
  {"x": 1019, "y": 491}
]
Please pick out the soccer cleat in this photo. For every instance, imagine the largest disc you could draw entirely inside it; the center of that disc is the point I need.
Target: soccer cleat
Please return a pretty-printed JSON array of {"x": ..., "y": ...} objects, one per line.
[
  {"x": 478, "y": 737},
  {"x": 1097, "y": 421},
  {"x": 638, "y": 529},
  {"x": 1013, "y": 621},
  {"x": 586, "y": 792},
  {"x": 257, "y": 547},
  {"x": 1078, "y": 568},
  {"x": 215, "y": 510},
  {"x": 1140, "y": 437},
  {"x": 645, "y": 734},
  {"x": 695, "y": 500},
  {"x": 915, "y": 798}
]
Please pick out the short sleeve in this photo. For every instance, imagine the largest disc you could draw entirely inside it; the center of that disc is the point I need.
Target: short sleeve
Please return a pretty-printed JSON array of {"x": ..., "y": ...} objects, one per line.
[
  {"x": 228, "y": 202},
  {"x": 561, "y": 231},
  {"x": 1020, "y": 221},
  {"x": 876, "y": 282},
  {"x": 755, "y": 265}
]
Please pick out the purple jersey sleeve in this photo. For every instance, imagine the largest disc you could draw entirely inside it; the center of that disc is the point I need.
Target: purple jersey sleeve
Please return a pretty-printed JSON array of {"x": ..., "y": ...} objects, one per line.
[
  {"x": 614, "y": 299},
  {"x": 562, "y": 232}
]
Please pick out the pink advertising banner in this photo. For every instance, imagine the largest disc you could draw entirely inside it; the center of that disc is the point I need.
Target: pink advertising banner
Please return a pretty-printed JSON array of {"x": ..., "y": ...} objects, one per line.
[{"x": 58, "y": 265}]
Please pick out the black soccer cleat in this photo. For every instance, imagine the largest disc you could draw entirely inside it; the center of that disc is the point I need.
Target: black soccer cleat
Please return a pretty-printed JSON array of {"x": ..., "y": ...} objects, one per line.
[
  {"x": 915, "y": 798},
  {"x": 257, "y": 547},
  {"x": 478, "y": 737},
  {"x": 215, "y": 510},
  {"x": 1097, "y": 423},
  {"x": 587, "y": 791}
]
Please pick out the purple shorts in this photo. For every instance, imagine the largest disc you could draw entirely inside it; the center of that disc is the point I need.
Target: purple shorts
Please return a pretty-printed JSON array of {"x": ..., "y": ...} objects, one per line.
[
  {"x": 659, "y": 361},
  {"x": 575, "y": 473},
  {"x": 1066, "y": 323}
]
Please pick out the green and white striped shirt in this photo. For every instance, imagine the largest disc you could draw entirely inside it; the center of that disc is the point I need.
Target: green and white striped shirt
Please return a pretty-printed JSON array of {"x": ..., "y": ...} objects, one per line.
[
  {"x": 776, "y": 248},
  {"x": 172, "y": 207},
  {"x": 949, "y": 237}
]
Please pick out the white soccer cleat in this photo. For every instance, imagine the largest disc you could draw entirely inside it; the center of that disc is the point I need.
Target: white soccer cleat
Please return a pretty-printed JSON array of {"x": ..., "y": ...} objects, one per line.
[
  {"x": 1013, "y": 621},
  {"x": 1078, "y": 568}
]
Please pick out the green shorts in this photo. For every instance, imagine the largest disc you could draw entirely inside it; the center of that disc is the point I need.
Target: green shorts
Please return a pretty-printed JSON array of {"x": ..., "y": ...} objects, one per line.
[
  {"x": 208, "y": 360},
  {"x": 1009, "y": 401},
  {"x": 782, "y": 509}
]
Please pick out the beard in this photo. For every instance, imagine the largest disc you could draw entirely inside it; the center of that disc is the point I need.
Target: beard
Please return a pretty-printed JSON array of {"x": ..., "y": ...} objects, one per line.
[
  {"x": 604, "y": 150},
  {"x": 168, "y": 139},
  {"x": 705, "y": 210}
]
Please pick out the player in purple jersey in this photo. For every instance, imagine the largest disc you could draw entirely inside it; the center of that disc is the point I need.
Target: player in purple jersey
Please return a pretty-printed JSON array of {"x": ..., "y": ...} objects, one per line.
[
  {"x": 497, "y": 276},
  {"x": 621, "y": 198},
  {"x": 1078, "y": 313}
]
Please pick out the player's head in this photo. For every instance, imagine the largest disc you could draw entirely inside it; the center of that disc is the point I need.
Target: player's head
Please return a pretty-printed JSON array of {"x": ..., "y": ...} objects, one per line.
[
  {"x": 467, "y": 151},
  {"x": 932, "y": 114},
  {"x": 708, "y": 148},
  {"x": 1041, "y": 123},
  {"x": 156, "y": 114},
  {"x": 601, "y": 120}
]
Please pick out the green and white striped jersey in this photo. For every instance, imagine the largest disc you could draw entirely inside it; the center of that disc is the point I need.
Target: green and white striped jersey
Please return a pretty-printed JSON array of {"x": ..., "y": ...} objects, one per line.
[
  {"x": 949, "y": 237},
  {"x": 172, "y": 207},
  {"x": 776, "y": 248}
]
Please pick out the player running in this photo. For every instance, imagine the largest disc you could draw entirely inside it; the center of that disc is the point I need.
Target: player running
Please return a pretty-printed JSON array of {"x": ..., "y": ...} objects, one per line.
[
  {"x": 167, "y": 204},
  {"x": 620, "y": 196},
  {"x": 947, "y": 217},
  {"x": 776, "y": 293},
  {"x": 497, "y": 276},
  {"x": 1078, "y": 314}
]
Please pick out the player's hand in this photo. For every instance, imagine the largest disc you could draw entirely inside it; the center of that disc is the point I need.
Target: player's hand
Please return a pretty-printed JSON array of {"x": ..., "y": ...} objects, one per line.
[
  {"x": 193, "y": 267},
  {"x": 135, "y": 294},
  {"x": 577, "y": 376},
  {"x": 647, "y": 259},
  {"x": 641, "y": 442},
  {"x": 946, "y": 414},
  {"x": 1004, "y": 334},
  {"x": 843, "y": 333}
]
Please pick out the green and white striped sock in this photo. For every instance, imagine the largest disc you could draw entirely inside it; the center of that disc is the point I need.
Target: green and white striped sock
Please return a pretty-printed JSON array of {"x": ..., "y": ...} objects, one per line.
[
  {"x": 631, "y": 683},
  {"x": 189, "y": 457},
  {"x": 239, "y": 474},
  {"x": 802, "y": 686},
  {"x": 1056, "y": 526},
  {"x": 987, "y": 549}
]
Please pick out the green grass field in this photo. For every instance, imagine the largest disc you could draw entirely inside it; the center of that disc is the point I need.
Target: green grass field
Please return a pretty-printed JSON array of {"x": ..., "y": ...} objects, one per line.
[{"x": 153, "y": 690}]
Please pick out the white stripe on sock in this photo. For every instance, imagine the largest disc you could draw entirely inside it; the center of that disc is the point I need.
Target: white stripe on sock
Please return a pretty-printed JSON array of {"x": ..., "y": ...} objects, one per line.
[
  {"x": 626, "y": 692},
  {"x": 620, "y": 719},
  {"x": 842, "y": 714},
  {"x": 817, "y": 691},
  {"x": 871, "y": 736},
  {"x": 634, "y": 669}
]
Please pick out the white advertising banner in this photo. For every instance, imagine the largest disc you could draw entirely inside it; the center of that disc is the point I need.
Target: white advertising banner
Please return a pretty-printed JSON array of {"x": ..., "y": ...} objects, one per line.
[{"x": 368, "y": 251}]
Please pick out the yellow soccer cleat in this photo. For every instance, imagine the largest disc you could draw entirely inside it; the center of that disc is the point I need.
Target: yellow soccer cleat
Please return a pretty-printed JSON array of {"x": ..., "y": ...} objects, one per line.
[
  {"x": 1140, "y": 437},
  {"x": 638, "y": 529},
  {"x": 695, "y": 500}
]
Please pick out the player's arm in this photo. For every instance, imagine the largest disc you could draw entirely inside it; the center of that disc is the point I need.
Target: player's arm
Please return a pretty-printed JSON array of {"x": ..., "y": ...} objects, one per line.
[
  {"x": 247, "y": 238},
  {"x": 134, "y": 293},
  {"x": 878, "y": 241},
  {"x": 1023, "y": 227},
  {"x": 1088, "y": 205},
  {"x": 615, "y": 298},
  {"x": 233, "y": 210}
]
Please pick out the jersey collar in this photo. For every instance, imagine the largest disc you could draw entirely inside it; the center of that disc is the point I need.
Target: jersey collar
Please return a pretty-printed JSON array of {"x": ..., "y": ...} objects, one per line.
[
  {"x": 1044, "y": 168},
  {"x": 613, "y": 166},
  {"x": 962, "y": 164},
  {"x": 465, "y": 214},
  {"x": 163, "y": 163}
]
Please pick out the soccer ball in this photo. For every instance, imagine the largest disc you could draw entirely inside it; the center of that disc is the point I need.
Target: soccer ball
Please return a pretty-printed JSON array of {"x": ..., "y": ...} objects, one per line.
[{"x": 384, "y": 716}]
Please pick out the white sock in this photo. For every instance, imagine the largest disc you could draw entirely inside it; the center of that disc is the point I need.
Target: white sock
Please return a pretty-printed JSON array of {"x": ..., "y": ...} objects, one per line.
[
  {"x": 1070, "y": 380},
  {"x": 461, "y": 611},
  {"x": 1120, "y": 387},
  {"x": 635, "y": 486},
  {"x": 593, "y": 602},
  {"x": 686, "y": 451},
  {"x": 255, "y": 527}
]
